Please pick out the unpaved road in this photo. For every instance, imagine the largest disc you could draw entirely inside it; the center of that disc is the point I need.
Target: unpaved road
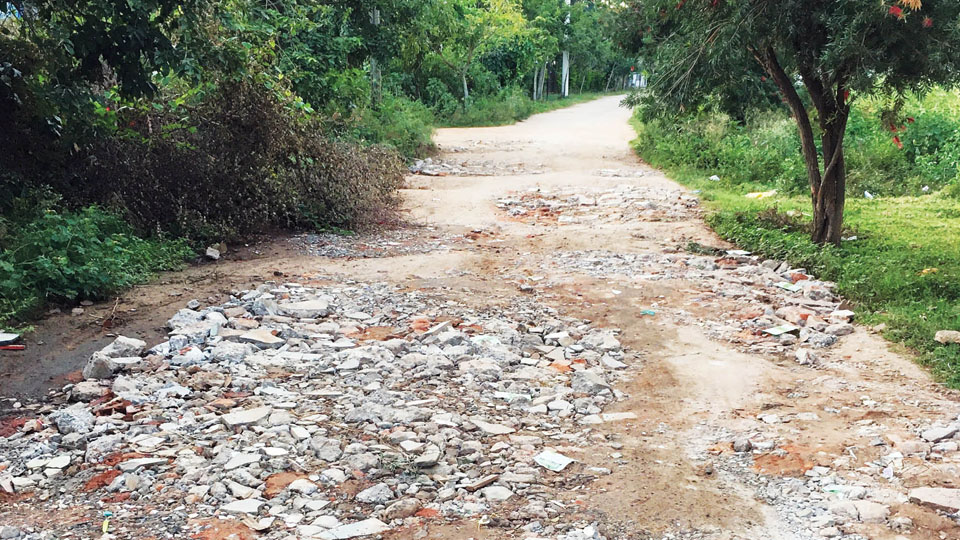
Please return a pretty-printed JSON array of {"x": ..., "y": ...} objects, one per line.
[{"x": 842, "y": 421}]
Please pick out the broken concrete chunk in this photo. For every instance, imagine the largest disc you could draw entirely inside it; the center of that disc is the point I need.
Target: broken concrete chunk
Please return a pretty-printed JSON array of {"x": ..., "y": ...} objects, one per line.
[
  {"x": 245, "y": 417},
  {"x": 263, "y": 338},
  {"x": 943, "y": 499},
  {"x": 353, "y": 530}
]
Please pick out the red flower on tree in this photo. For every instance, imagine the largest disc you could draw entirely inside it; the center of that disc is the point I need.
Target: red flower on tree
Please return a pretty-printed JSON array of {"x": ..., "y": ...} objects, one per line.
[
  {"x": 927, "y": 22},
  {"x": 896, "y": 11},
  {"x": 899, "y": 144}
]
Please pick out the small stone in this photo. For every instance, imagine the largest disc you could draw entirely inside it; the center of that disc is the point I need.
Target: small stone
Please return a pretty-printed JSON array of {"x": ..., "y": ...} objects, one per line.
[
  {"x": 75, "y": 419},
  {"x": 7, "y": 532},
  {"x": 742, "y": 445},
  {"x": 429, "y": 457},
  {"x": 806, "y": 357},
  {"x": 937, "y": 434},
  {"x": 241, "y": 460},
  {"x": 134, "y": 465},
  {"x": 86, "y": 391},
  {"x": 263, "y": 338},
  {"x": 587, "y": 382},
  {"x": 309, "y": 309},
  {"x": 244, "y": 506},
  {"x": 947, "y": 336},
  {"x": 303, "y": 487},
  {"x": 377, "y": 494},
  {"x": 245, "y": 417},
  {"x": 59, "y": 462},
  {"x": 403, "y": 508},
  {"x": 212, "y": 253},
  {"x": 842, "y": 329},
  {"x": 944, "y": 499},
  {"x": 496, "y": 493},
  {"x": 361, "y": 528},
  {"x": 493, "y": 429}
]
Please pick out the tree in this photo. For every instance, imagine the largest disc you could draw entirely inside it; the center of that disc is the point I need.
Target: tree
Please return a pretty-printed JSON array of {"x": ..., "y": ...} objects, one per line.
[
  {"x": 464, "y": 28},
  {"x": 820, "y": 55}
]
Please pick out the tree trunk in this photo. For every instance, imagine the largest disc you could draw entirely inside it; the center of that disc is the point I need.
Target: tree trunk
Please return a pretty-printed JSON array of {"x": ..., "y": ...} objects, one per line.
[
  {"x": 466, "y": 91},
  {"x": 828, "y": 200},
  {"x": 536, "y": 77},
  {"x": 543, "y": 79},
  {"x": 609, "y": 79},
  {"x": 827, "y": 189}
]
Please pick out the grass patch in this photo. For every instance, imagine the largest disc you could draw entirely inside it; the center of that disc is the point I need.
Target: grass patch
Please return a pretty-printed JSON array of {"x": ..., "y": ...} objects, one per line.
[
  {"x": 510, "y": 106},
  {"x": 903, "y": 269}
]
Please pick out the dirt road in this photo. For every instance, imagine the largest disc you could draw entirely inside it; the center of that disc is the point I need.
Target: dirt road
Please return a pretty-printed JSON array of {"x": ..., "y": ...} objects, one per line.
[
  {"x": 561, "y": 211},
  {"x": 694, "y": 394}
]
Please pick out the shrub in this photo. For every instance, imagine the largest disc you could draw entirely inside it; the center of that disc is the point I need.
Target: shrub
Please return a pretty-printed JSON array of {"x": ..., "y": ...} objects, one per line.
[
  {"x": 400, "y": 123},
  {"x": 68, "y": 256},
  {"x": 240, "y": 163}
]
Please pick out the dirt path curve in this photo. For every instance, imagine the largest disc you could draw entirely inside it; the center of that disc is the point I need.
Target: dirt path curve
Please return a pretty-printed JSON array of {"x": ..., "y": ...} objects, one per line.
[
  {"x": 841, "y": 422},
  {"x": 561, "y": 211}
]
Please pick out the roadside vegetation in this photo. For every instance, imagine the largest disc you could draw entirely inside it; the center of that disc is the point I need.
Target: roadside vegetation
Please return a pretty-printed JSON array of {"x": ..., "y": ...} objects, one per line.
[
  {"x": 214, "y": 121},
  {"x": 827, "y": 137},
  {"x": 899, "y": 261}
]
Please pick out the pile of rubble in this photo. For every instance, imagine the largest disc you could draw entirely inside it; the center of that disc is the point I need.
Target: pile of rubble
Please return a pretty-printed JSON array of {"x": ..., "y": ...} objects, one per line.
[
  {"x": 466, "y": 167},
  {"x": 323, "y": 413},
  {"x": 861, "y": 488},
  {"x": 619, "y": 204},
  {"x": 408, "y": 240},
  {"x": 781, "y": 308}
]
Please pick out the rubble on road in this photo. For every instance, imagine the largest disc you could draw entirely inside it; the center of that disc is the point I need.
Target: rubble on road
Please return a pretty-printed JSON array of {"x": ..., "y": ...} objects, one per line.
[
  {"x": 408, "y": 240},
  {"x": 574, "y": 205},
  {"x": 468, "y": 167},
  {"x": 768, "y": 317},
  {"x": 324, "y": 413}
]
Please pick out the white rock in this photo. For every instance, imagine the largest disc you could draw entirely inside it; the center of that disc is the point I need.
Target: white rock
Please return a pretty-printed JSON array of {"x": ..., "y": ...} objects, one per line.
[
  {"x": 496, "y": 493},
  {"x": 245, "y": 506},
  {"x": 241, "y": 460},
  {"x": 361, "y": 528},
  {"x": 245, "y": 417}
]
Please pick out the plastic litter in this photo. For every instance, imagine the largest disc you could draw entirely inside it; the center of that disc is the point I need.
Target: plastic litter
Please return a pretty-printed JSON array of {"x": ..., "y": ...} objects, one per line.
[
  {"x": 761, "y": 194},
  {"x": 552, "y": 460},
  {"x": 787, "y": 286},
  {"x": 782, "y": 329}
]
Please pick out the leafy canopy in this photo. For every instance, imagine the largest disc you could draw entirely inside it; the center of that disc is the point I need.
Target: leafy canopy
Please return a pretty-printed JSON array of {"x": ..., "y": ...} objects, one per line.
[{"x": 698, "y": 49}]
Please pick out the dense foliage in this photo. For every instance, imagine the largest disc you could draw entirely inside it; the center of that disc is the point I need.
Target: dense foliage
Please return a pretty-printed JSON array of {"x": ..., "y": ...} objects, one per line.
[
  {"x": 820, "y": 57},
  {"x": 212, "y": 120}
]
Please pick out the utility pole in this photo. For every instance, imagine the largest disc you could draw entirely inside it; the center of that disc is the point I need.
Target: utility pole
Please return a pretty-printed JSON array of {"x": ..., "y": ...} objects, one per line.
[{"x": 565, "y": 70}]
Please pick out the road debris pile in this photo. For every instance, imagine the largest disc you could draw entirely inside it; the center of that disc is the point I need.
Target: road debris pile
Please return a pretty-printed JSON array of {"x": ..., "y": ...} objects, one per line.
[
  {"x": 619, "y": 204},
  {"x": 873, "y": 486},
  {"x": 408, "y": 240},
  {"x": 776, "y": 308},
  {"x": 468, "y": 167},
  {"x": 323, "y": 413}
]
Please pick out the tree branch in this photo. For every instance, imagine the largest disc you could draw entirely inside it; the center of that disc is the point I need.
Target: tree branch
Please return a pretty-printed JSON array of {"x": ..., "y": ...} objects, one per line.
[{"x": 768, "y": 58}]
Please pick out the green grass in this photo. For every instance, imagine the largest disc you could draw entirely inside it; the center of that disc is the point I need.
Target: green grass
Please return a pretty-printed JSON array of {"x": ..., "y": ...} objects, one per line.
[
  {"x": 511, "y": 107},
  {"x": 882, "y": 271}
]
